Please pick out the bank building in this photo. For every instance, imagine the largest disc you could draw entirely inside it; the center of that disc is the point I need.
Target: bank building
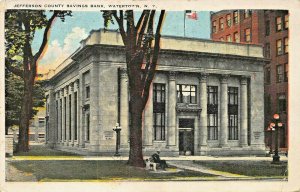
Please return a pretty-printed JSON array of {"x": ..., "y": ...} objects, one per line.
[{"x": 207, "y": 98}]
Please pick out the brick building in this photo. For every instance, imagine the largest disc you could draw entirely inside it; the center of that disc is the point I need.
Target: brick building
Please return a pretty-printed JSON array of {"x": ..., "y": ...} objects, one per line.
[
  {"x": 268, "y": 28},
  {"x": 206, "y": 99}
]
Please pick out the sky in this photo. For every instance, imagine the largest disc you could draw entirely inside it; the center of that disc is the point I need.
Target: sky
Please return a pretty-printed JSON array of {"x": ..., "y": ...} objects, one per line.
[{"x": 65, "y": 36}]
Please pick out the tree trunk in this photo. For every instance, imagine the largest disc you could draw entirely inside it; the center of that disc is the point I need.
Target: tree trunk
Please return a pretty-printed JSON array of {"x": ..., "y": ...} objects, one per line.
[
  {"x": 136, "y": 141},
  {"x": 23, "y": 140}
]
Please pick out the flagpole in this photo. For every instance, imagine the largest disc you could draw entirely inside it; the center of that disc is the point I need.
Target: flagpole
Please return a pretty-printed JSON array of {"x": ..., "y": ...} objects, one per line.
[{"x": 184, "y": 15}]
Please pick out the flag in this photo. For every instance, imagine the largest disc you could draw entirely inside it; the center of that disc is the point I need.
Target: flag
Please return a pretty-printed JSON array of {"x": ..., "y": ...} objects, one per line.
[{"x": 191, "y": 14}]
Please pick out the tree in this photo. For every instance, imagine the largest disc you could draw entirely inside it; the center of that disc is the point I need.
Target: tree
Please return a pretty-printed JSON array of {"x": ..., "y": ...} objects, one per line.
[
  {"x": 142, "y": 47},
  {"x": 20, "y": 28},
  {"x": 14, "y": 88}
]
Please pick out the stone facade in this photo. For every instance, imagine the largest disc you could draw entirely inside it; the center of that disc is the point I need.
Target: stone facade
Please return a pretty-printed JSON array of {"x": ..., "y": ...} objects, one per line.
[{"x": 206, "y": 99}]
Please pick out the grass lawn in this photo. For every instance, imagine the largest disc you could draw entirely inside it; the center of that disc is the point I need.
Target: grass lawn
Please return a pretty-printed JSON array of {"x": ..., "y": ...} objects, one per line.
[
  {"x": 100, "y": 170},
  {"x": 41, "y": 150},
  {"x": 248, "y": 168}
]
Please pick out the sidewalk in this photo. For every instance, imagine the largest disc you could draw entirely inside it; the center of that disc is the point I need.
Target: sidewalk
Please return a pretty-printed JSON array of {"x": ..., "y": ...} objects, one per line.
[{"x": 179, "y": 158}]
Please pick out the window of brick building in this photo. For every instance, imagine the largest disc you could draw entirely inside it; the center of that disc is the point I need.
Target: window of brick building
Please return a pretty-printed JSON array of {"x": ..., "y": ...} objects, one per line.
[
  {"x": 267, "y": 28},
  {"x": 228, "y": 38},
  {"x": 286, "y": 70},
  {"x": 221, "y": 39},
  {"x": 279, "y": 47},
  {"x": 286, "y": 21},
  {"x": 279, "y": 73},
  {"x": 221, "y": 23},
  {"x": 248, "y": 35},
  {"x": 286, "y": 45},
  {"x": 267, "y": 50},
  {"x": 268, "y": 75},
  {"x": 278, "y": 23},
  {"x": 228, "y": 20},
  {"x": 267, "y": 103},
  {"x": 235, "y": 17},
  {"x": 247, "y": 13},
  {"x": 236, "y": 37},
  {"x": 281, "y": 100},
  {"x": 214, "y": 28}
]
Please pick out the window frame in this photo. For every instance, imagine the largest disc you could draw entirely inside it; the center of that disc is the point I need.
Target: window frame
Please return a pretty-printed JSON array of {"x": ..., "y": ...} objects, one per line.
[
  {"x": 228, "y": 20},
  {"x": 233, "y": 126},
  {"x": 180, "y": 93},
  {"x": 267, "y": 50},
  {"x": 235, "y": 17},
  {"x": 214, "y": 26},
  {"x": 159, "y": 103},
  {"x": 267, "y": 75},
  {"x": 228, "y": 38},
  {"x": 212, "y": 102},
  {"x": 286, "y": 21},
  {"x": 221, "y": 24},
  {"x": 278, "y": 23},
  {"x": 248, "y": 35},
  {"x": 279, "y": 73},
  {"x": 282, "y": 103},
  {"x": 234, "y": 37},
  {"x": 267, "y": 28},
  {"x": 286, "y": 72},
  {"x": 279, "y": 50},
  {"x": 286, "y": 45}
]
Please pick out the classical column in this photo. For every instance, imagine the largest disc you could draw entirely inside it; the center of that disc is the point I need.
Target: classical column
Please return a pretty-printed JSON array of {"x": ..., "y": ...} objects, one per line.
[
  {"x": 244, "y": 113},
  {"x": 58, "y": 117},
  {"x": 224, "y": 111},
  {"x": 67, "y": 116},
  {"x": 148, "y": 122},
  {"x": 81, "y": 112},
  {"x": 78, "y": 111},
  {"x": 72, "y": 114},
  {"x": 171, "y": 135},
  {"x": 124, "y": 109},
  {"x": 203, "y": 113},
  {"x": 50, "y": 118},
  {"x": 63, "y": 111}
]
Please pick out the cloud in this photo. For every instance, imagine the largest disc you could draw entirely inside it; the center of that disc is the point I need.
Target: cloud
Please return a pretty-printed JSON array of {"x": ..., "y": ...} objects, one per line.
[{"x": 57, "y": 53}]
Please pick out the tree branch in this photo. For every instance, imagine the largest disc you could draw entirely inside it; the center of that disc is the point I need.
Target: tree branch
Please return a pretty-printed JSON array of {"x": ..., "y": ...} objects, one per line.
[
  {"x": 45, "y": 37},
  {"x": 138, "y": 25},
  {"x": 12, "y": 69},
  {"x": 120, "y": 23},
  {"x": 141, "y": 31},
  {"x": 156, "y": 50}
]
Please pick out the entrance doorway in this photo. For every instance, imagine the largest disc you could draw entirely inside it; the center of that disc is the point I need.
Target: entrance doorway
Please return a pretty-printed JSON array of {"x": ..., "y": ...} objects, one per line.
[{"x": 186, "y": 136}]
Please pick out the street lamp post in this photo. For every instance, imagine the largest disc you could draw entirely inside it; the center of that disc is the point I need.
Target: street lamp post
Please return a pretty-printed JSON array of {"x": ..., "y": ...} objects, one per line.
[
  {"x": 271, "y": 129},
  {"x": 278, "y": 124},
  {"x": 117, "y": 129}
]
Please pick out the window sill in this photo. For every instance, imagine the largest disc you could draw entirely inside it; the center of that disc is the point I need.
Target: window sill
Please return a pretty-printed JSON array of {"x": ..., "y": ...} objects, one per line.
[{"x": 159, "y": 141}]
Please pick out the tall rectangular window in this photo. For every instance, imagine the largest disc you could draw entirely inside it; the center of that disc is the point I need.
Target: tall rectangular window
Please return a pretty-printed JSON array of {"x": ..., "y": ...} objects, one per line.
[
  {"x": 233, "y": 113},
  {"x": 186, "y": 94},
  {"x": 221, "y": 23},
  {"x": 70, "y": 117},
  {"x": 279, "y": 47},
  {"x": 235, "y": 17},
  {"x": 76, "y": 115},
  {"x": 248, "y": 35},
  {"x": 286, "y": 70},
  {"x": 212, "y": 113},
  {"x": 268, "y": 75},
  {"x": 267, "y": 104},
  {"x": 236, "y": 37},
  {"x": 267, "y": 28},
  {"x": 228, "y": 38},
  {"x": 228, "y": 20},
  {"x": 286, "y": 21},
  {"x": 247, "y": 13},
  {"x": 87, "y": 92},
  {"x": 267, "y": 50},
  {"x": 278, "y": 23},
  {"x": 159, "y": 102},
  {"x": 87, "y": 126},
  {"x": 279, "y": 73},
  {"x": 286, "y": 45},
  {"x": 214, "y": 27},
  {"x": 281, "y": 98},
  {"x": 221, "y": 39}
]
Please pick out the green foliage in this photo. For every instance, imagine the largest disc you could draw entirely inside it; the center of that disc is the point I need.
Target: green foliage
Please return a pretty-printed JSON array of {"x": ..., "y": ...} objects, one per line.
[{"x": 14, "y": 88}]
